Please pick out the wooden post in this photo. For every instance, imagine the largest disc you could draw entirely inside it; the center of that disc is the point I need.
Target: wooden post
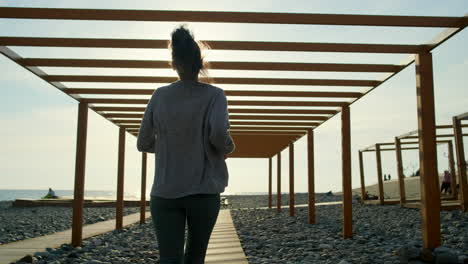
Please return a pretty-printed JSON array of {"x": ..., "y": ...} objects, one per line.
[
  {"x": 120, "y": 180},
  {"x": 453, "y": 173},
  {"x": 346, "y": 173},
  {"x": 401, "y": 176},
  {"x": 269, "y": 182},
  {"x": 361, "y": 173},
  {"x": 429, "y": 178},
  {"x": 379, "y": 173},
  {"x": 278, "y": 185},
  {"x": 80, "y": 169},
  {"x": 291, "y": 179},
  {"x": 311, "y": 175},
  {"x": 143, "y": 188},
  {"x": 459, "y": 149}
]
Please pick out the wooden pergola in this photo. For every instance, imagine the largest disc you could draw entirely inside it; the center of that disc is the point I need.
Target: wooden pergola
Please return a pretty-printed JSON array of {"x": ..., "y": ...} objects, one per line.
[
  {"x": 408, "y": 141},
  {"x": 261, "y": 128}
]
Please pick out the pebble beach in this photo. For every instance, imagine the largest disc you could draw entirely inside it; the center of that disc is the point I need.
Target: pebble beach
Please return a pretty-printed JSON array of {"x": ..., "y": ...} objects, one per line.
[{"x": 28, "y": 222}]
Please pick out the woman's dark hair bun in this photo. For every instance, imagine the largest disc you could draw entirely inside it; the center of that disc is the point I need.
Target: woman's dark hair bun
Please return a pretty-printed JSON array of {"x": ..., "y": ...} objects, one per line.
[{"x": 186, "y": 53}]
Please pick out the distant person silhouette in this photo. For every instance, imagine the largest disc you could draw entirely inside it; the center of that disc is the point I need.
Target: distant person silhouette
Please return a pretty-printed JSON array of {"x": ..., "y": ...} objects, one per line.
[
  {"x": 50, "y": 194},
  {"x": 446, "y": 183},
  {"x": 385, "y": 177},
  {"x": 186, "y": 125},
  {"x": 389, "y": 177}
]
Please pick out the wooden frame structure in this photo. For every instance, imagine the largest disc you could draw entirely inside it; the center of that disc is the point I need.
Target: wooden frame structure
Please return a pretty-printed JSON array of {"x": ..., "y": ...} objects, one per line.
[
  {"x": 266, "y": 127},
  {"x": 397, "y": 147}
]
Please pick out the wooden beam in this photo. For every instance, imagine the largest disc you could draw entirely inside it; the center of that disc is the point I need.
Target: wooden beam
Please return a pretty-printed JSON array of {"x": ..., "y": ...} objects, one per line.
[
  {"x": 231, "y": 111},
  {"x": 437, "y": 136},
  {"x": 461, "y": 161},
  {"x": 230, "y": 17},
  {"x": 254, "y": 123},
  {"x": 135, "y": 91},
  {"x": 120, "y": 180},
  {"x": 463, "y": 116},
  {"x": 270, "y": 182},
  {"x": 361, "y": 174},
  {"x": 311, "y": 175},
  {"x": 291, "y": 179},
  {"x": 230, "y": 102},
  {"x": 268, "y": 128},
  {"x": 430, "y": 197},
  {"x": 279, "y": 133},
  {"x": 143, "y": 188},
  {"x": 80, "y": 171},
  {"x": 282, "y": 111},
  {"x": 278, "y": 184},
  {"x": 346, "y": 173},
  {"x": 213, "y": 44},
  {"x": 126, "y": 121},
  {"x": 289, "y": 103},
  {"x": 278, "y": 117},
  {"x": 379, "y": 174},
  {"x": 214, "y": 65},
  {"x": 401, "y": 176},
  {"x": 218, "y": 80},
  {"x": 118, "y": 109}
]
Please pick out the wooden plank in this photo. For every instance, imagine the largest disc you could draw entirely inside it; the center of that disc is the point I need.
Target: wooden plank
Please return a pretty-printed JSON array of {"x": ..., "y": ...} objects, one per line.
[
  {"x": 230, "y": 102},
  {"x": 270, "y": 182},
  {"x": 461, "y": 161},
  {"x": 401, "y": 176},
  {"x": 311, "y": 176},
  {"x": 361, "y": 174},
  {"x": 231, "y": 110},
  {"x": 430, "y": 197},
  {"x": 282, "y": 111},
  {"x": 346, "y": 173},
  {"x": 278, "y": 117},
  {"x": 279, "y": 133},
  {"x": 217, "y": 80},
  {"x": 143, "y": 188},
  {"x": 379, "y": 173},
  {"x": 214, "y": 65},
  {"x": 253, "y": 123},
  {"x": 278, "y": 183},
  {"x": 268, "y": 128},
  {"x": 118, "y": 109},
  {"x": 213, "y": 44},
  {"x": 291, "y": 179},
  {"x": 80, "y": 171},
  {"x": 463, "y": 116},
  {"x": 230, "y": 17},
  {"x": 135, "y": 91},
  {"x": 120, "y": 180}
]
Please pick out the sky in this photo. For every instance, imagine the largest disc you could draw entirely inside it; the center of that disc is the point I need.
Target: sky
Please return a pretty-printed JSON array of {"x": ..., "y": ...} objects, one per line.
[{"x": 38, "y": 135}]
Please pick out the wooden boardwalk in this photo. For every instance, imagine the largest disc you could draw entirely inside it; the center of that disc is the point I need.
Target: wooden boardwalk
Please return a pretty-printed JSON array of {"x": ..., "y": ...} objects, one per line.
[
  {"x": 224, "y": 244},
  {"x": 13, "y": 251}
]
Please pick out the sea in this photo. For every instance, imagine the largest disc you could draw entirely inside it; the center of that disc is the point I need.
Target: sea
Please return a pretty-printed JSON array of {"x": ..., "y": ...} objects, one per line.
[{"x": 12, "y": 194}]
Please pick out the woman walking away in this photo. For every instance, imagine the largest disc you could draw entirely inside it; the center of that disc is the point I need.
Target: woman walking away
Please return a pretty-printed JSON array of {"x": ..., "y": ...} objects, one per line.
[
  {"x": 446, "y": 182},
  {"x": 186, "y": 125}
]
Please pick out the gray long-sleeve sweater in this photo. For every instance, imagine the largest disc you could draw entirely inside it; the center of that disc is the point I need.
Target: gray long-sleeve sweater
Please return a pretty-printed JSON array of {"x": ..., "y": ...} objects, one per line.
[{"x": 186, "y": 125}]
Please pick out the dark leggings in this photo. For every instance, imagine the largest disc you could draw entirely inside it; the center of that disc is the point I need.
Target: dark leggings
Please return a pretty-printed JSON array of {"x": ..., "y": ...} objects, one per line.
[{"x": 199, "y": 211}]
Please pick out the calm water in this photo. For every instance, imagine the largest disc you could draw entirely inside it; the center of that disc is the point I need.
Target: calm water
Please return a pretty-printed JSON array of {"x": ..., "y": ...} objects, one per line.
[{"x": 8, "y": 195}]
